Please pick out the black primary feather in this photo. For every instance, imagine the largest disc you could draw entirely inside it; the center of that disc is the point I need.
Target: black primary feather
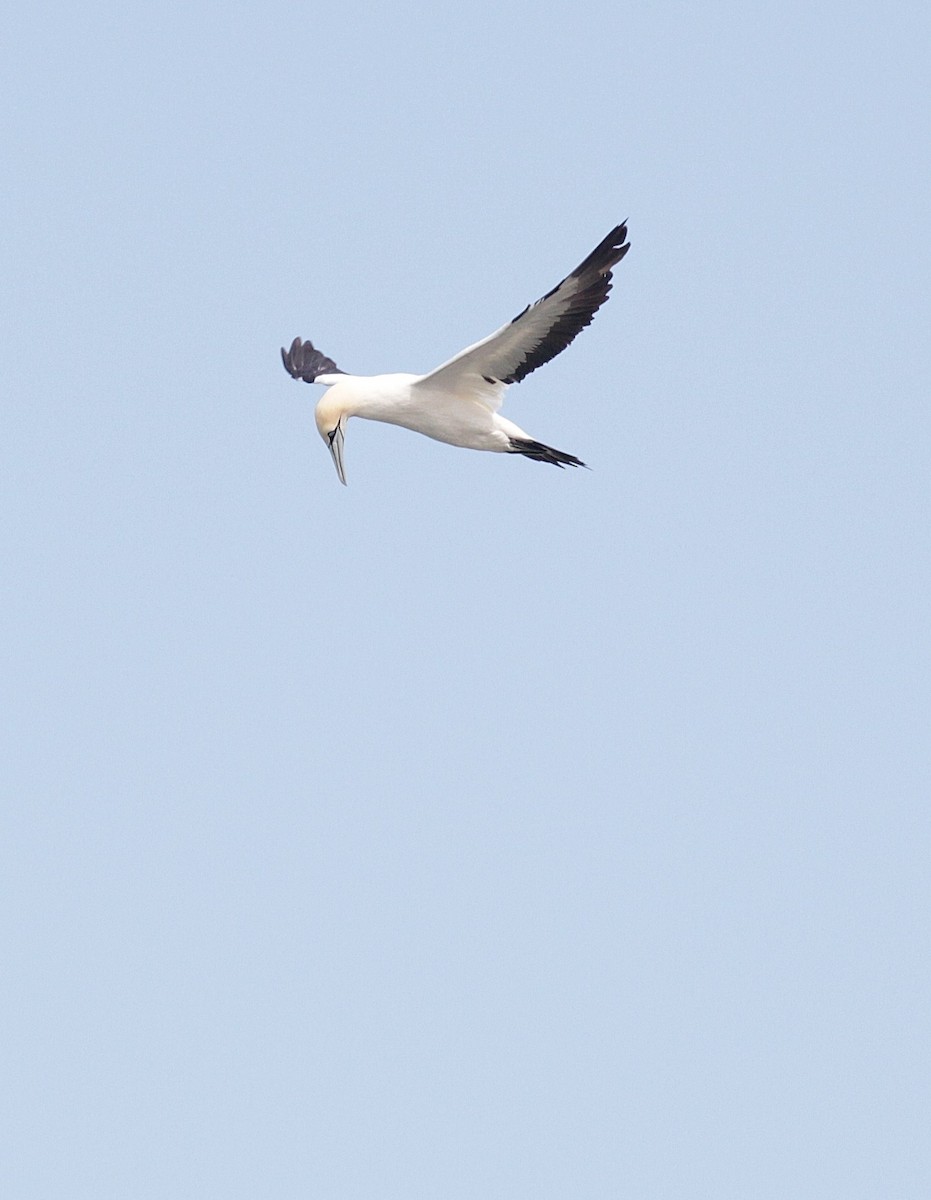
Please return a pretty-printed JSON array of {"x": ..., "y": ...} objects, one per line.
[
  {"x": 540, "y": 453},
  {"x": 593, "y": 275},
  {"x": 302, "y": 361}
]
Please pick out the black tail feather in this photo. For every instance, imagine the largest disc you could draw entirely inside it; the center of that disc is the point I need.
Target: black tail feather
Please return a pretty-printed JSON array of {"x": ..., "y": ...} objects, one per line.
[{"x": 540, "y": 453}]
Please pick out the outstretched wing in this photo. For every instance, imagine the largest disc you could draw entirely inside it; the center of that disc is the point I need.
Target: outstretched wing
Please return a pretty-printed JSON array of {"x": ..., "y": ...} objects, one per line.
[
  {"x": 543, "y": 329},
  {"x": 302, "y": 361}
]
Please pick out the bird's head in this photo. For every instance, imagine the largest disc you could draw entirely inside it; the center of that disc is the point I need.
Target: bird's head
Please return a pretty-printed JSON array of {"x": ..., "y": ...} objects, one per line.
[{"x": 331, "y": 416}]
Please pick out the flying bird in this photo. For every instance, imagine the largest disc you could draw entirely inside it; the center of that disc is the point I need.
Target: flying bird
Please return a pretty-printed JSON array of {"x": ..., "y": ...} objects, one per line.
[{"x": 458, "y": 402}]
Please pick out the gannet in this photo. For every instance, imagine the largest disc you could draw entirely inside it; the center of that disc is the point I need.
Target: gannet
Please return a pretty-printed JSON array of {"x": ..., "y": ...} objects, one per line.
[{"x": 458, "y": 402}]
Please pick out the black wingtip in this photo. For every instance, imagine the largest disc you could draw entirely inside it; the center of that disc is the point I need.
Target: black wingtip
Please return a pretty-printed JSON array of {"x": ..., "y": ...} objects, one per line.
[
  {"x": 607, "y": 254},
  {"x": 293, "y": 359},
  {"x": 302, "y": 361},
  {"x": 540, "y": 453}
]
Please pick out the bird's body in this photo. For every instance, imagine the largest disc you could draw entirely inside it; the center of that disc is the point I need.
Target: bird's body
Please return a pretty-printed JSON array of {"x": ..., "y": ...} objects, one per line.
[
  {"x": 465, "y": 418},
  {"x": 458, "y": 402}
]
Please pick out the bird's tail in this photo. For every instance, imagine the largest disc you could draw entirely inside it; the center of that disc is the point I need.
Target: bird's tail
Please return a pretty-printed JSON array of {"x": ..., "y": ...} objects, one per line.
[{"x": 540, "y": 453}]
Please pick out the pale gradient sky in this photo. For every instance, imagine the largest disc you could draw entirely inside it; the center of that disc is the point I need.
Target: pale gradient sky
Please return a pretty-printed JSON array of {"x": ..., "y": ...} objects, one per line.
[{"x": 479, "y": 830}]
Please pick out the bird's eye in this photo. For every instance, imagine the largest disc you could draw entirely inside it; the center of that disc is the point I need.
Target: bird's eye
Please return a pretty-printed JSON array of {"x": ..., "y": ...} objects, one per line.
[{"x": 332, "y": 434}]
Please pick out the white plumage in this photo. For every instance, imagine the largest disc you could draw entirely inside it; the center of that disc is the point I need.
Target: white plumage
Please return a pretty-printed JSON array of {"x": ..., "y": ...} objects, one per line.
[{"x": 458, "y": 402}]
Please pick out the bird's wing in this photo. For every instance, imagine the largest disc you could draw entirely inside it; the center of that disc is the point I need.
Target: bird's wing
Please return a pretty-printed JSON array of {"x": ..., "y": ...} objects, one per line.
[
  {"x": 542, "y": 330},
  {"x": 302, "y": 361}
]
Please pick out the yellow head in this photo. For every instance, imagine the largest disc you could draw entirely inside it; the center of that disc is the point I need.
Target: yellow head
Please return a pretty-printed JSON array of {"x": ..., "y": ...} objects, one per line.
[{"x": 331, "y": 415}]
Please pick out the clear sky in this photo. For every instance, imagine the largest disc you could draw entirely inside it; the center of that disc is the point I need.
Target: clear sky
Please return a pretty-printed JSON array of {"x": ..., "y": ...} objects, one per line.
[{"x": 482, "y": 829}]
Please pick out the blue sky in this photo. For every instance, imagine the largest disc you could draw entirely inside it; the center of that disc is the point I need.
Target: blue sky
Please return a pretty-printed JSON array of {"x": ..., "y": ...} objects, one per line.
[{"x": 479, "y": 829}]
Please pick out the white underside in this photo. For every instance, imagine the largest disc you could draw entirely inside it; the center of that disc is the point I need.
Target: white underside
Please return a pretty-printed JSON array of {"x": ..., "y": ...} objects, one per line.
[{"x": 465, "y": 417}]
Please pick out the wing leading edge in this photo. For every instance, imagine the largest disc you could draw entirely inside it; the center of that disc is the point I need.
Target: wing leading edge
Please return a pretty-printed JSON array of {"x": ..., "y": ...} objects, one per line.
[{"x": 543, "y": 329}]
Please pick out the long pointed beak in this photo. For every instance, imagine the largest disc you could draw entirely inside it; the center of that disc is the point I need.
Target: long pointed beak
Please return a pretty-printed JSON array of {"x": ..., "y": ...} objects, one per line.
[{"x": 336, "y": 449}]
